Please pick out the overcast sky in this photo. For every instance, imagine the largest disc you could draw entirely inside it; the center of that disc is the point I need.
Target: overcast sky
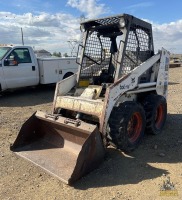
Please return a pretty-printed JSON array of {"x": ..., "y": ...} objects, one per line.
[{"x": 50, "y": 24}]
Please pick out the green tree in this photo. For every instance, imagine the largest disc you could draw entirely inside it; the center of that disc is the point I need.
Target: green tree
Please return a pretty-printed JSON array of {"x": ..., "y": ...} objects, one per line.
[
  {"x": 57, "y": 54},
  {"x": 65, "y": 55}
]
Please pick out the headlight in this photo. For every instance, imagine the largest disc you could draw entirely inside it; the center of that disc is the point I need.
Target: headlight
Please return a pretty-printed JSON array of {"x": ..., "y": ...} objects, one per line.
[
  {"x": 122, "y": 23},
  {"x": 82, "y": 28}
]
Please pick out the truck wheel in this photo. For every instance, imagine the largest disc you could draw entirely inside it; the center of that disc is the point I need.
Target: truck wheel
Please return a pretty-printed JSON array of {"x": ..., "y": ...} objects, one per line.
[
  {"x": 67, "y": 75},
  {"x": 126, "y": 125},
  {"x": 155, "y": 107}
]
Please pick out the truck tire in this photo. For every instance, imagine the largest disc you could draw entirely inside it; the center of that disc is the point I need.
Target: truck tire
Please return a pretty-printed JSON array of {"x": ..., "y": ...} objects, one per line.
[
  {"x": 155, "y": 107},
  {"x": 67, "y": 75},
  {"x": 126, "y": 125}
]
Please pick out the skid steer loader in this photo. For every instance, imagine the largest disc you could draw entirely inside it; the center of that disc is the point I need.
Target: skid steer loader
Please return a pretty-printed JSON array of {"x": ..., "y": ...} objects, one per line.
[{"x": 118, "y": 94}]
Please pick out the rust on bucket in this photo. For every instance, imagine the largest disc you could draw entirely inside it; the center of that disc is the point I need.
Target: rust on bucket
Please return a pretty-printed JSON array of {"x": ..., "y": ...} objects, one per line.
[{"x": 66, "y": 150}]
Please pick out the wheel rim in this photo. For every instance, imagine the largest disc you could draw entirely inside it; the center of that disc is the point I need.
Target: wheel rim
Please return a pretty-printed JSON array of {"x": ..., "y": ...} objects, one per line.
[
  {"x": 159, "y": 116},
  {"x": 134, "y": 127}
]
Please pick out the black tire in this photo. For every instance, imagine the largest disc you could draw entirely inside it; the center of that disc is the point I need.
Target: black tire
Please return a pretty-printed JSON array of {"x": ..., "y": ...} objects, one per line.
[
  {"x": 67, "y": 75},
  {"x": 155, "y": 107},
  {"x": 126, "y": 125}
]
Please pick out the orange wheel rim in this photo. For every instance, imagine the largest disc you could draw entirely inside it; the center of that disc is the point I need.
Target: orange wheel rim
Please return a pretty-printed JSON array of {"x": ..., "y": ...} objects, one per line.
[
  {"x": 159, "y": 116},
  {"x": 134, "y": 127}
]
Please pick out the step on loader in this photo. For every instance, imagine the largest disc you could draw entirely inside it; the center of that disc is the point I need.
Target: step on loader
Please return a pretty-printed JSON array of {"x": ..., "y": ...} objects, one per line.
[{"x": 118, "y": 94}]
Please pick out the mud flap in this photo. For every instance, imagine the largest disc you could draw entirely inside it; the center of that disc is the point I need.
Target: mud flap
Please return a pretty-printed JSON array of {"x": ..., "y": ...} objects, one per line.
[{"x": 66, "y": 150}]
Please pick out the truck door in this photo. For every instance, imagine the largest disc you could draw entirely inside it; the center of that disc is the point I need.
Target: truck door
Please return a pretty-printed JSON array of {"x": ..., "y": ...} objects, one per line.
[
  {"x": 20, "y": 69},
  {"x": 1, "y": 78}
]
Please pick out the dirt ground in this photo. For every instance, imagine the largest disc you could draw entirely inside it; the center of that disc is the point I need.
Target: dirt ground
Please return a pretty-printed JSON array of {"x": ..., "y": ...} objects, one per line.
[{"x": 138, "y": 175}]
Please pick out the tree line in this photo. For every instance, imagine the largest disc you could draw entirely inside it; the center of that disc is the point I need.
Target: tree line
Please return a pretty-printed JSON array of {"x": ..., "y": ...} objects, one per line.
[{"x": 58, "y": 54}]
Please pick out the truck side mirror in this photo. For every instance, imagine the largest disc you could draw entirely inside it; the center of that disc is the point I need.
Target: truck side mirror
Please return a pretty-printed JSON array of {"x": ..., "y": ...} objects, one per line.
[
  {"x": 6, "y": 62},
  {"x": 10, "y": 61}
]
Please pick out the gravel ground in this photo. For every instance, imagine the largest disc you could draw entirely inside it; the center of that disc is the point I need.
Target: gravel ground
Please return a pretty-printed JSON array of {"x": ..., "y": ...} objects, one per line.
[{"x": 138, "y": 175}]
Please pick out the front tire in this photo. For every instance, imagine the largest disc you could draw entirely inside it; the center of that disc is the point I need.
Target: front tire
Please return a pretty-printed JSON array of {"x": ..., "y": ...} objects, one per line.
[
  {"x": 155, "y": 107},
  {"x": 126, "y": 125}
]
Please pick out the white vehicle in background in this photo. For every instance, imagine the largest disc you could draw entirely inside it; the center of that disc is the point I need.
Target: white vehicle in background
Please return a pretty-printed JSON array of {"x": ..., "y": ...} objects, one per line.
[{"x": 19, "y": 67}]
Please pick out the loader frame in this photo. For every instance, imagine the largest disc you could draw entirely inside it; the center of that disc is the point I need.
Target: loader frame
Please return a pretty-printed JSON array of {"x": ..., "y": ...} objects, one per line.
[
  {"x": 119, "y": 91},
  {"x": 136, "y": 68}
]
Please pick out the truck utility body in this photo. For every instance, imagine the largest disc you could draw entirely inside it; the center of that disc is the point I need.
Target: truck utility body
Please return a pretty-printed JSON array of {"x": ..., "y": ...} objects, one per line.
[{"x": 19, "y": 67}]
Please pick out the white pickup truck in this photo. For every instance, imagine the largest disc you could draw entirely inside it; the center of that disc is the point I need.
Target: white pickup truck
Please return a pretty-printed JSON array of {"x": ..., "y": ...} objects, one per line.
[{"x": 19, "y": 67}]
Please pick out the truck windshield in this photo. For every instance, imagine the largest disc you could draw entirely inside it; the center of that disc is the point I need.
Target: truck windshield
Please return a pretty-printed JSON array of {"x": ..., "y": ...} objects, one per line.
[{"x": 3, "y": 51}]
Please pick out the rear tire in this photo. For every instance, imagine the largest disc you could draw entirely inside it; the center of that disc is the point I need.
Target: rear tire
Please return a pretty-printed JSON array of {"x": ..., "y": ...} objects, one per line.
[
  {"x": 155, "y": 107},
  {"x": 67, "y": 75},
  {"x": 126, "y": 125}
]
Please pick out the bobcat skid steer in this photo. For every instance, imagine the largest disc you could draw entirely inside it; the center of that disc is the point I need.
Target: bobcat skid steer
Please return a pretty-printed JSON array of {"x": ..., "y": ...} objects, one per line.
[{"x": 118, "y": 94}]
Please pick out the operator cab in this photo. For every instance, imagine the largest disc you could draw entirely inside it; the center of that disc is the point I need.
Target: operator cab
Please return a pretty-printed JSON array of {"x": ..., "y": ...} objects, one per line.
[{"x": 111, "y": 48}]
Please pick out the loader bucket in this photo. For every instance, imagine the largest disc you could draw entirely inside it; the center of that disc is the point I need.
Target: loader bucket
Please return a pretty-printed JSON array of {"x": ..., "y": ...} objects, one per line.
[{"x": 59, "y": 146}]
